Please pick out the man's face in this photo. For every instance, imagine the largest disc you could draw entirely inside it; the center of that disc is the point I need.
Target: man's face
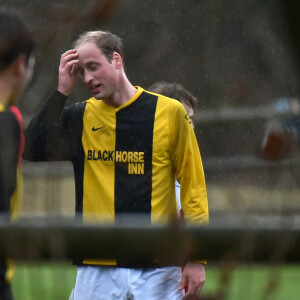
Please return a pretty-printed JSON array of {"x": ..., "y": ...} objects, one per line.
[
  {"x": 190, "y": 111},
  {"x": 98, "y": 74}
]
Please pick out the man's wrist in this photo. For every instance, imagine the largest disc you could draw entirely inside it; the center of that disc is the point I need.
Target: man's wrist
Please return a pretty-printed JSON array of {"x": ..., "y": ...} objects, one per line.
[
  {"x": 63, "y": 92},
  {"x": 60, "y": 95}
]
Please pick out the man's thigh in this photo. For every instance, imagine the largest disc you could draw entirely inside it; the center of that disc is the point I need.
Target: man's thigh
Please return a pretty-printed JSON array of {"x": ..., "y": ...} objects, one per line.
[
  {"x": 154, "y": 284},
  {"x": 100, "y": 283}
]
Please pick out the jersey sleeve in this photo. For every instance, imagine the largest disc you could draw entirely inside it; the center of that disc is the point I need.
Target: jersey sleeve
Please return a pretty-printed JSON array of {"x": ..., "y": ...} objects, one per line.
[
  {"x": 51, "y": 134},
  {"x": 188, "y": 168}
]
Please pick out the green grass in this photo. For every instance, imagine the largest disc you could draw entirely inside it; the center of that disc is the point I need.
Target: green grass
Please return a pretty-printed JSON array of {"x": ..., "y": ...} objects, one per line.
[
  {"x": 43, "y": 281},
  {"x": 247, "y": 282},
  {"x": 254, "y": 282}
]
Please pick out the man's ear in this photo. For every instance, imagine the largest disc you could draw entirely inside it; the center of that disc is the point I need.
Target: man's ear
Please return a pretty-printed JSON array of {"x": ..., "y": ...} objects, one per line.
[
  {"x": 19, "y": 65},
  {"x": 117, "y": 60}
]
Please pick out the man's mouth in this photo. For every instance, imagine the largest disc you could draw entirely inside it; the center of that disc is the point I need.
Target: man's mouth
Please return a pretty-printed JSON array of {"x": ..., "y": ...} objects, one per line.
[{"x": 95, "y": 88}]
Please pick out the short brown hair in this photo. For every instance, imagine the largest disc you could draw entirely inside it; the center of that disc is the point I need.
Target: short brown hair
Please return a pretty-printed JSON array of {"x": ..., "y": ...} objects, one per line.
[
  {"x": 175, "y": 91},
  {"x": 106, "y": 41}
]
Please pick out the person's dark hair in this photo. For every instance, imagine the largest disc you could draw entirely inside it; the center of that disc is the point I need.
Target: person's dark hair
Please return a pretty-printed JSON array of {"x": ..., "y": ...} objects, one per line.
[
  {"x": 106, "y": 41},
  {"x": 15, "y": 39},
  {"x": 175, "y": 91}
]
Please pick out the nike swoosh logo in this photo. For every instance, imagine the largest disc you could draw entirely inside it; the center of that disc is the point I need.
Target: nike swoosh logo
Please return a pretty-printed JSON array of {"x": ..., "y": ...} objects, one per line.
[{"x": 94, "y": 129}]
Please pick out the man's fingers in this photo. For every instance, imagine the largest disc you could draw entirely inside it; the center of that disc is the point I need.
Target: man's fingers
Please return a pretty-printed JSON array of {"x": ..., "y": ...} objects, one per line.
[
  {"x": 68, "y": 71},
  {"x": 73, "y": 70},
  {"x": 198, "y": 290},
  {"x": 193, "y": 292},
  {"x": 68, "y": 66},
  {"x": 182, "y": 283},
  {"x": 68, "y": 60},
  {"x": 71, "y": 51},
  {"x": 68, "y": 56}
]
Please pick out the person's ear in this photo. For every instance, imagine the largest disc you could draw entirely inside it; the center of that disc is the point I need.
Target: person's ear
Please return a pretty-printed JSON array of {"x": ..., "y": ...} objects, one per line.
[
  {"x": 19, "y": 65},
  {"x": 117, "y": 60}
]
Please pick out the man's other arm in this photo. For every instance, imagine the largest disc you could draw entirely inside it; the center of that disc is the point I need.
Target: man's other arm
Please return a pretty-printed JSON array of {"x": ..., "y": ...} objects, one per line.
[{"x": 46, "y": 136}]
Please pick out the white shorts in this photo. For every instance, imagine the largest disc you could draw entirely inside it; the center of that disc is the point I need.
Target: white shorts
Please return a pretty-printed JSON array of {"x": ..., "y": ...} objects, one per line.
[{"x": 106, "y": 283}]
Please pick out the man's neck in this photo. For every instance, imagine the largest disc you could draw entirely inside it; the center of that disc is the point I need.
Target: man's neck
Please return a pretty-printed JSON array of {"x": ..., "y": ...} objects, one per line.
[
  {"x": 124, "y": 93},
  {"x": 121, "y": 96},
  {"x": 6, "y": 90},
  {"x": 4, "y": 93}
]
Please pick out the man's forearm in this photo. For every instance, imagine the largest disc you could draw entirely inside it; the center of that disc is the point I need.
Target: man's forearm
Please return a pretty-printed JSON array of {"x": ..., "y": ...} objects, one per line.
[{"x": 36, "y": 138}]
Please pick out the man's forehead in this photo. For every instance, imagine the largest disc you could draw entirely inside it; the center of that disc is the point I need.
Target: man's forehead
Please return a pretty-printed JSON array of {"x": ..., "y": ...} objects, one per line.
[
  {"x": 88, "y": 50},
  {"x": 89, "y": 54},
  {"x": 87, "y": 60}
]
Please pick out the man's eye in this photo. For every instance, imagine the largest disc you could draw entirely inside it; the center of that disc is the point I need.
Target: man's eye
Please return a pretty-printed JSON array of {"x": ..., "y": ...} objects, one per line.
[{"x": 93, "y": 67}]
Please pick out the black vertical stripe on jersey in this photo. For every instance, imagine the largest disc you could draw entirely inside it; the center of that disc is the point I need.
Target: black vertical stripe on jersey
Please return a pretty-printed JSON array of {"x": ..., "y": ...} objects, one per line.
[
  {"x": 78, "y": 165},
  {"x": 134, "y": 132}
]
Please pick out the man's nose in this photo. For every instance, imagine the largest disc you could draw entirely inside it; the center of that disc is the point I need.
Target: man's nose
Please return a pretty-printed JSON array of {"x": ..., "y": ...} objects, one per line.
[{"x": 87, "y": 77}]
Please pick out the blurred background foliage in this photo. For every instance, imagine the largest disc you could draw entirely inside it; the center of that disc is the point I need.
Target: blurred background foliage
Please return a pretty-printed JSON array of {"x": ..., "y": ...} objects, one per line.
[{"x": 226, "y": 52}]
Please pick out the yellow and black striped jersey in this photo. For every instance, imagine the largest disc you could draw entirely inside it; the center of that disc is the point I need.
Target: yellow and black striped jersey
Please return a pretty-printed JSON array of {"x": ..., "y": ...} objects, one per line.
[{"x": 126, "y": 159}]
